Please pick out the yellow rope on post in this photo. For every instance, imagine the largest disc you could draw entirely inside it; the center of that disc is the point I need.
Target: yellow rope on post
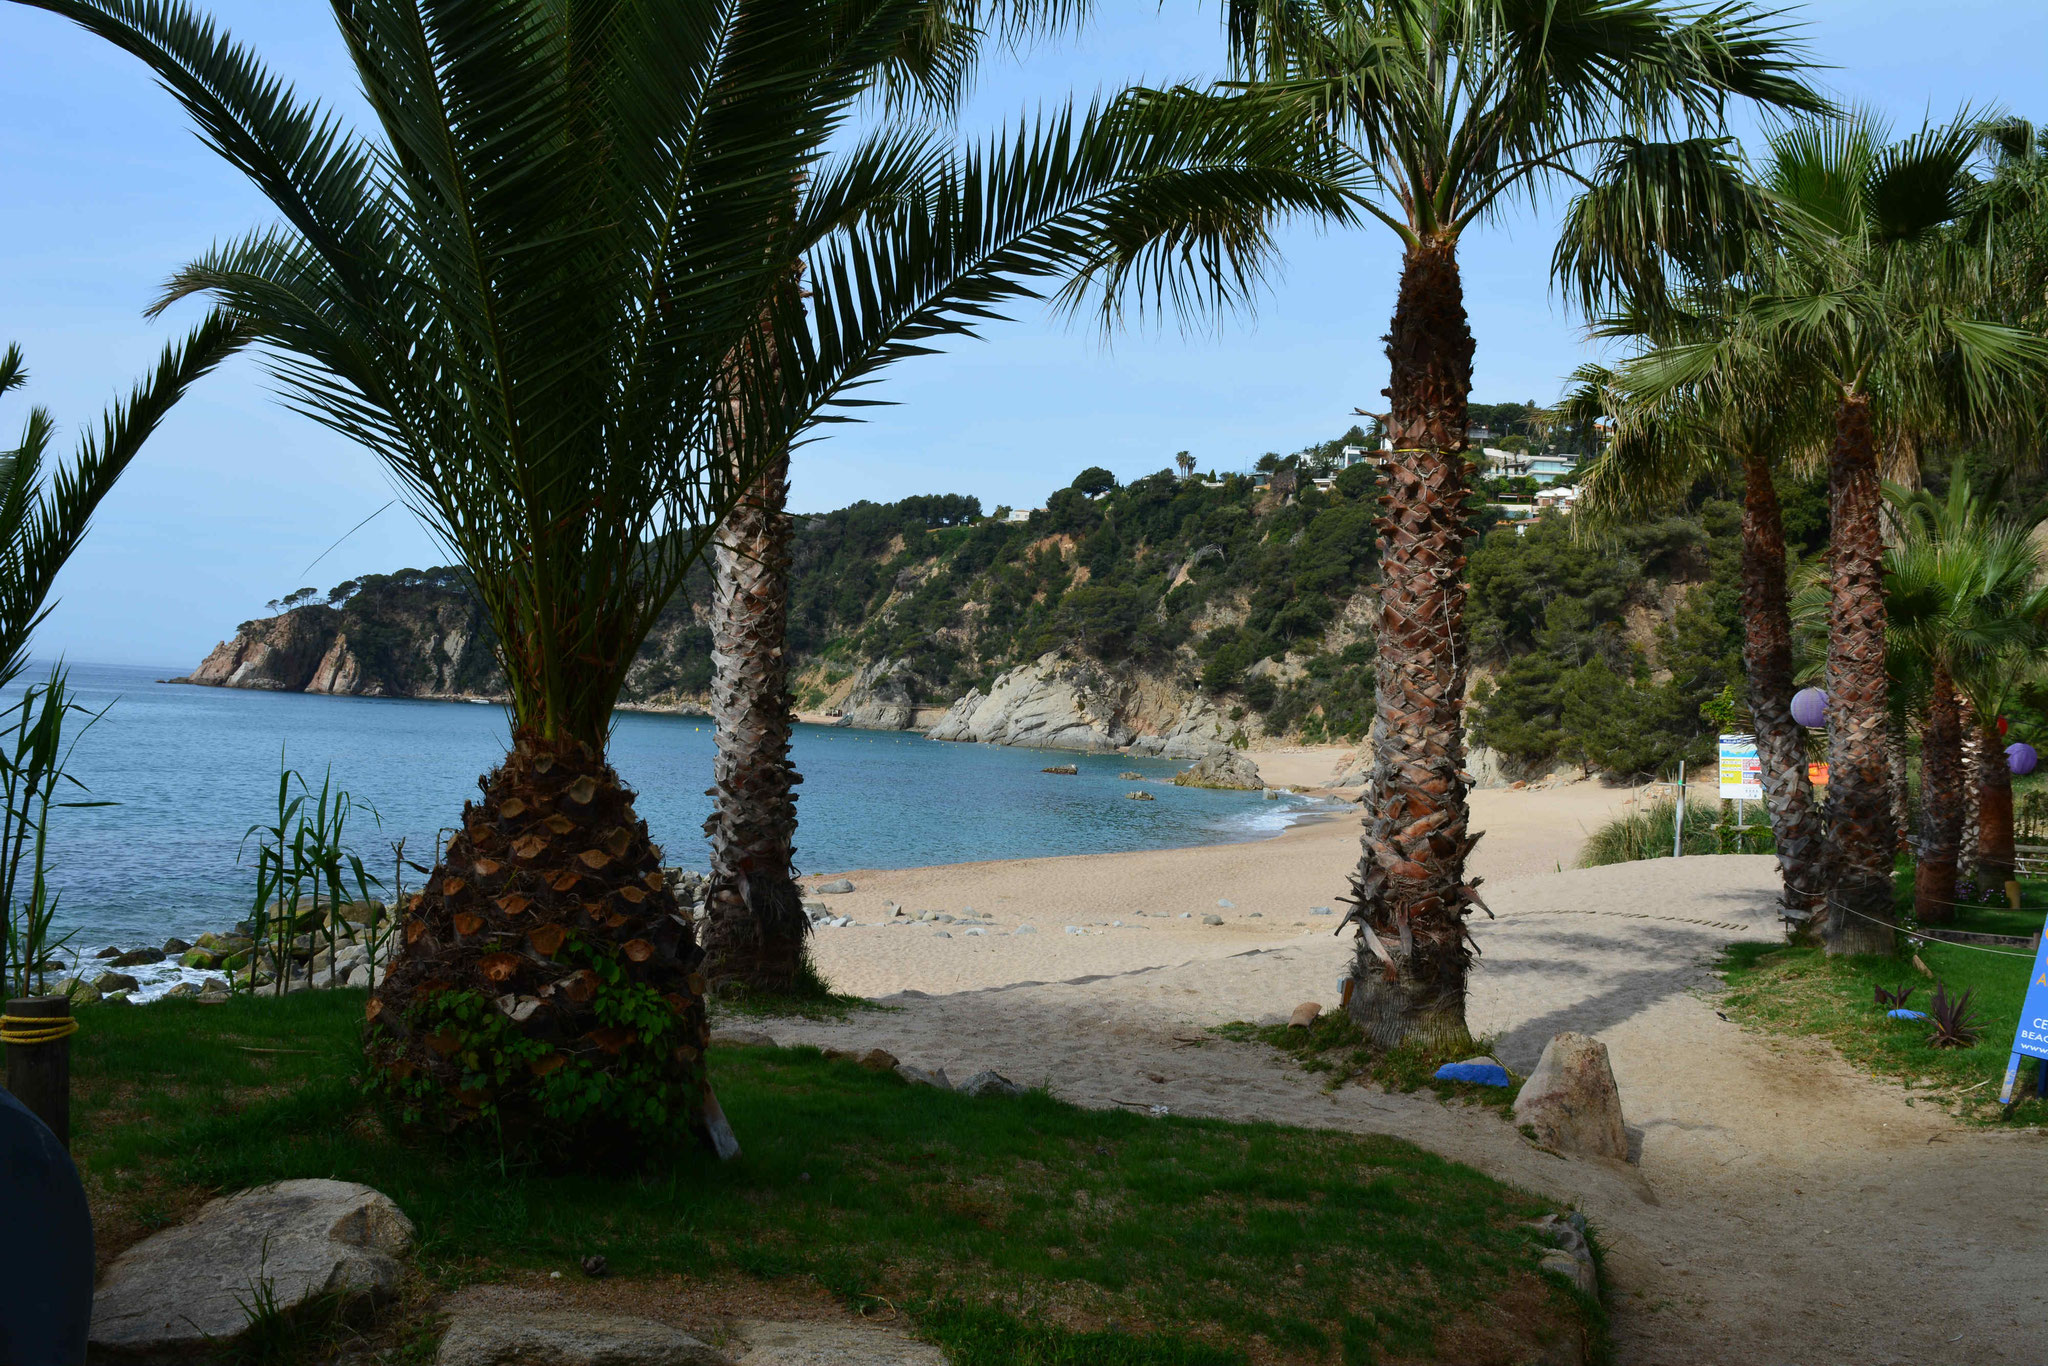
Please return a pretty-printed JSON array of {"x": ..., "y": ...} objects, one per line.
[{"x": 26, "y": 1029}]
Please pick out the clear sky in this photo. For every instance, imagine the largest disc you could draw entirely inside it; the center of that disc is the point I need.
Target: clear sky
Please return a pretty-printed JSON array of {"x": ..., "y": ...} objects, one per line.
[{"x": 106, "y": 190}]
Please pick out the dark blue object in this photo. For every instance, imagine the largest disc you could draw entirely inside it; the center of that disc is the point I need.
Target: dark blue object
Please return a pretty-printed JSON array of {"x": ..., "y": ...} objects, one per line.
[
  {"x": 1907, "y": 1014},
  {"x": 46, "y": 1257},
  {"x": 1478, "y": 1073}
]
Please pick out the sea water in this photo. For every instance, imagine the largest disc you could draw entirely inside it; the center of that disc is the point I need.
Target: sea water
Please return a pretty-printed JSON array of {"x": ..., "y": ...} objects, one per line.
[{"x": 192, "y": 769}]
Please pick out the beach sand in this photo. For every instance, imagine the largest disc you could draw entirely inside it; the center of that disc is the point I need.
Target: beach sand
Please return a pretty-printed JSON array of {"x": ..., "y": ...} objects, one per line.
[{"x": 1783, "y": 1209}]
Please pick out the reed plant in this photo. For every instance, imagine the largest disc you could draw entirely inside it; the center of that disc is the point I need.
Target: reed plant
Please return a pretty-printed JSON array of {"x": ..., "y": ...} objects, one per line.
[
  {"x": 304, "y": 863},
  {"x": 38, "y": 732}
]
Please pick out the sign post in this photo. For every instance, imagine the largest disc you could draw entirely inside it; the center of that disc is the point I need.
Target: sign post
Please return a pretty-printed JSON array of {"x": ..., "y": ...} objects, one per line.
[
  {"x": 2030, "y": 1040},
  {"x": 1742, "y": 776}
]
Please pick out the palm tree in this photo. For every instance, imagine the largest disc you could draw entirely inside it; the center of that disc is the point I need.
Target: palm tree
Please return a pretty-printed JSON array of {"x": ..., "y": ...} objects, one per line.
[
  {"x": 1964, "y": 598},
  {"x": 552, "y": 293},
  {"x": 1664, "y": 441},
  {"x": 755, "y": 930},
  {"x": 1855, "y": 284},
  {"x": 44, "y": 515},
  {"x": 1444, "y": 108}
]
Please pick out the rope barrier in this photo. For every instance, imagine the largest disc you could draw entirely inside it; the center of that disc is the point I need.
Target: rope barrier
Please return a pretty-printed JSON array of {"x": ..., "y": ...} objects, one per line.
[
  {"x": 1924, "y": 938},
  {"x": 28, "y": 1029}
]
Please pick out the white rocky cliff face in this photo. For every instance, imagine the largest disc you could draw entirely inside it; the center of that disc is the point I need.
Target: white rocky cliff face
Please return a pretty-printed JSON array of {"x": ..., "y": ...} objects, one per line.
[{"x": 1058, "y": 703}]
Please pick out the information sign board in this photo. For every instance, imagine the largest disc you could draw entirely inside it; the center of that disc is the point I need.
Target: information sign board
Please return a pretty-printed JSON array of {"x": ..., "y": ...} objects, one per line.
[
  {"x": 2030, "y": 1040},
  {"x": 1742, "y": 773}
]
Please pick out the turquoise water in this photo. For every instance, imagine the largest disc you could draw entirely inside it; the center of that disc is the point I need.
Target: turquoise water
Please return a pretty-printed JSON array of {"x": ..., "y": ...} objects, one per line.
[{"x": 194, "y": 768}]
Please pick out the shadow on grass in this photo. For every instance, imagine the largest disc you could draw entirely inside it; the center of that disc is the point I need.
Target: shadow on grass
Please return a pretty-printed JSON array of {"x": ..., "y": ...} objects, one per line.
[{"x": 1010, "y": 1229}]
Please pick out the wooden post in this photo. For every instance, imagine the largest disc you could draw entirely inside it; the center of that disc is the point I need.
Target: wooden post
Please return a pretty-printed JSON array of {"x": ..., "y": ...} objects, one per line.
[{"x": 39, "y": 1074}]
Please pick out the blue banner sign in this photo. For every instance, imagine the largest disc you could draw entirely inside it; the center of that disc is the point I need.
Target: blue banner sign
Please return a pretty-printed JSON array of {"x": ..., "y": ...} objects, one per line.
[{"x": 2030, "y": 1040}]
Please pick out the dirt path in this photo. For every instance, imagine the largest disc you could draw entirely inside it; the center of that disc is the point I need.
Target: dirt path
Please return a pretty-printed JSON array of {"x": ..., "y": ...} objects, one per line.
[{"x": 1785, "y": 1210}]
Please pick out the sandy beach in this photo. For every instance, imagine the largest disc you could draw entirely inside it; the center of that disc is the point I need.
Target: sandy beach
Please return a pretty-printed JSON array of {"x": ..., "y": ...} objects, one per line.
[{"x": 1781, "y": 1209}]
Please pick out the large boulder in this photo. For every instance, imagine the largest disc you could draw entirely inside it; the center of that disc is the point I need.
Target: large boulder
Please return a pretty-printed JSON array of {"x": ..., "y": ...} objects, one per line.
[
  {"x": 1570, "y": 1100},
  {"x": 569, "y": 1338},
  {"x": 1226, "y": 768},
  {"x": 188, "y": 1288}
]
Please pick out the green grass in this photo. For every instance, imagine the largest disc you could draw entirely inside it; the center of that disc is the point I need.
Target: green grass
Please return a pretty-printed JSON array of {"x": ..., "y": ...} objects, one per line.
[
  {"x": 1649, "y": 833},
  {"x": 1790, "y": 990},
  {"x": 1997, "y": 918},
  {"x": 1011, "y": 1230},
  {"x": 1336, "y": 1047}
]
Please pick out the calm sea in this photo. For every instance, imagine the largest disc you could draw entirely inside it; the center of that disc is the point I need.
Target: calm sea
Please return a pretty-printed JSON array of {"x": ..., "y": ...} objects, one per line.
[{"x": 193, "y": 768}]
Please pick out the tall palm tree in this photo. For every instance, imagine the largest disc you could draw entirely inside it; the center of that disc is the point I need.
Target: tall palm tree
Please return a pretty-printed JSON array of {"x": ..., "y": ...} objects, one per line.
[
  {"x": 755, "y": 931},
  {"x": 1860, "y": 287},
  {"x": 1664, "y": 441},
  {"x": 1445, "y": 108},
  {"x": 551, "y": 291}
]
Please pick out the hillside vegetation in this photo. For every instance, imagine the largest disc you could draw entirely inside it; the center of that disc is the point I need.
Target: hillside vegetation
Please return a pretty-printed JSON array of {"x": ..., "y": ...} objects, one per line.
[{"x": 1592, "y": 650}]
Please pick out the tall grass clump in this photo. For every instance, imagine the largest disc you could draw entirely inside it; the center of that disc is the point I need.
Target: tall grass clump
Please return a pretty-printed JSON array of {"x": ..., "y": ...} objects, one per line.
[{"x": 1648, "y": 834}]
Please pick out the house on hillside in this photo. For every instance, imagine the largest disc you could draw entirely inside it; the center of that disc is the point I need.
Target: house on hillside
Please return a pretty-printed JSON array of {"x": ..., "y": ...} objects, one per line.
[{"x": 1547, "y": 469}]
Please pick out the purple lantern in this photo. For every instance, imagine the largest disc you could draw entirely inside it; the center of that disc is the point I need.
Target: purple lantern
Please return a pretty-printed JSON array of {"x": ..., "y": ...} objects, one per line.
[
  {"x": 1810, "y": 708},
  {"x": 2021, "y": 758}
]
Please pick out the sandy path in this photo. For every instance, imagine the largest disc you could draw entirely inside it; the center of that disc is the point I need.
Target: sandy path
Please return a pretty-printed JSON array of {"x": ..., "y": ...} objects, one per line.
[{"x": 1785, "y": 1210}]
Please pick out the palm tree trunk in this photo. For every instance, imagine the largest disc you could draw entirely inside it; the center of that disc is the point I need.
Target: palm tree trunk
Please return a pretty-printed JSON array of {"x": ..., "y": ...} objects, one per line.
[
  {"x": 1941, "y": 804},
  {"x": 1408, "y": 892},
  {"x": 1860, "y": 827},
  {"x": 1767, "y": 659},
  {"x": 755, "y": 928},
  {"x": 1898, "y": 767},
  {"x": 1973, "y": 746},
  {"x": 1996, "y": 859}
]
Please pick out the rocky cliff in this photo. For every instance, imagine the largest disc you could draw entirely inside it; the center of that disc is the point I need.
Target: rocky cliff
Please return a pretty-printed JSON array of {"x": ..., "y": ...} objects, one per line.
[{"x": 434, "y": 648}]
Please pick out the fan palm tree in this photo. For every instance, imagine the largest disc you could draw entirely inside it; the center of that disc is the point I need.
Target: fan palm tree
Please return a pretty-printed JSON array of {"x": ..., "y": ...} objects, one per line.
[
  {"x": 552, "y": 293},
  {"x": 1861, "y": 288},
  {"x": 1663, "y": 443},
  {"x": 1445, "y": 108},
  {"x": 1964, "y": 597}
]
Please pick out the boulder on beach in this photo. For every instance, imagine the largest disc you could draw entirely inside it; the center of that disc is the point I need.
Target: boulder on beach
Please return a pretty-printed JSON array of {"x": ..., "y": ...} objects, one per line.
[
  {"x": 1571, "y": 1101},
  {"x": 185, "y": 1290},
  {"x": 836, "y": 887},
  {"x": 1227, "y": 769}
]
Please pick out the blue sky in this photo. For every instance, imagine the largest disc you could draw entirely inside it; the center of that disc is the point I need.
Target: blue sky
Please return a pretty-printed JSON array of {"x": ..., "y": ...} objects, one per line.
[{"x": 107, "y": 191}]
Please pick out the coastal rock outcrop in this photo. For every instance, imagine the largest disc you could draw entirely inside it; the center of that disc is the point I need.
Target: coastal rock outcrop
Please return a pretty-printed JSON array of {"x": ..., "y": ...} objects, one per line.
[
  {"x": 1050, "y": 703},
  {"x": 1059, "y": 703},
  {"x": 273, "y": 654},
  {"x": 1227, "y": 769},
  {"x": 884, "y": 697}
]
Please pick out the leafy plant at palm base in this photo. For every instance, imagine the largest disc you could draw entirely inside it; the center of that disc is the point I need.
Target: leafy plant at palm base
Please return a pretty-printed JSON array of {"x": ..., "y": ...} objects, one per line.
[
  {"x": 301, "y": 864},
  {"x": 1955, "y": 1020},
  {"x": 34, "y": 751}
]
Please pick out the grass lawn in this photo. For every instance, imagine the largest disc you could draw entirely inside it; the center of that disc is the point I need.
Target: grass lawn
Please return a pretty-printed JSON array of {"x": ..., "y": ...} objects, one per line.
[
  {"x": 1009, "y": 1230},
  {"x": 1999, "y": 918},
  {"x": 1337, "y": 1048},
  {"x": 1800, "y": 991}
]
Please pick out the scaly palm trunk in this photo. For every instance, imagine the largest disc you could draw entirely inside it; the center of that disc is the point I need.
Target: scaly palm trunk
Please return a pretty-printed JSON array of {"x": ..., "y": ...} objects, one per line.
[
  {"x": 547, "y": 924},
  {"x": 1973, "y": 746},
  {"x": 1941, "y": 804},
  {"x": 1997, "y": 861},
  {"x": 1409, "y": 889},
  {"x": 1860, "y": 825},
  {"x": 1898, "y": 769},
  {"x": 1767, "y": 659},
  {"x": 754, "y": 935}
]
